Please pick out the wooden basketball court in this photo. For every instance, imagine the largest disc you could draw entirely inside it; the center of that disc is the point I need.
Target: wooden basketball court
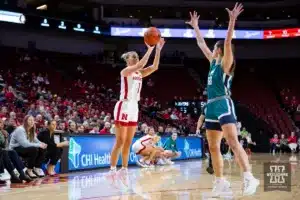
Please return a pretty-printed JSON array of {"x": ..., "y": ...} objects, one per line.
[{"x": 186, "y": 180}]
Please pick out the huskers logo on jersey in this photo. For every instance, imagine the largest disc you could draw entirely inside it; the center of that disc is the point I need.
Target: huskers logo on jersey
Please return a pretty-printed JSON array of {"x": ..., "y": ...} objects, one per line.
[
  {"x": 124, "y": 116},
  {"x": 131, "y": 87}
]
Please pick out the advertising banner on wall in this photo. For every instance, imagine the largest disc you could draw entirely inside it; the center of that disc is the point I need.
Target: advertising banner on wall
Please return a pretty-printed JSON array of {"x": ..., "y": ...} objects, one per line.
[{"x": 88, "y": 152}]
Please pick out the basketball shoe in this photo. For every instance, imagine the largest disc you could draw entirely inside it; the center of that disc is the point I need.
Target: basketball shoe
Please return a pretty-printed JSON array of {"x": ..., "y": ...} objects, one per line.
[
  {"x": 221, "y": 188},
  {"x": 250, "y": 185}
]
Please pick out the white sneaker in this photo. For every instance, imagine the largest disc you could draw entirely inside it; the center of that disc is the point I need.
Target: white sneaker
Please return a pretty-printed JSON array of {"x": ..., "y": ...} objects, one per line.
[
  {"x": 141, "y": 163},
  {"x": 5, "y": 175},
  {"x": 250, "y": 186},
  {"x": 30, "y": 174},
  {"x": 221, "y": 188},
  {"x": 39, "y": 172},
  {"x": 169, "y": 162},
  {"x": 123, "y": 176},
  {"x": 161, "y": 162},
  {"x": 16, "y": 172}
]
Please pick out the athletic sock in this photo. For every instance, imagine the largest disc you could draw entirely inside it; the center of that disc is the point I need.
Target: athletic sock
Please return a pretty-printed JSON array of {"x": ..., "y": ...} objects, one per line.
[
  {"x": 248, "y": 175},
  {"x": 113, "y": 168}
]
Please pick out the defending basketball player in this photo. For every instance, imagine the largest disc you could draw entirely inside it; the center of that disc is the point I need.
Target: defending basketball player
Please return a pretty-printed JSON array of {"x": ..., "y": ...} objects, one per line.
[
  {"x": 220, "y": 114},
  {"x": 201, "y": 124},
  {"x": 126, "y": 109}
]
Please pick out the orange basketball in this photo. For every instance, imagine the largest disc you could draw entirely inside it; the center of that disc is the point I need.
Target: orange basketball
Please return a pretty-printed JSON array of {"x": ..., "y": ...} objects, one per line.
[{"x": 152, "y": 36}]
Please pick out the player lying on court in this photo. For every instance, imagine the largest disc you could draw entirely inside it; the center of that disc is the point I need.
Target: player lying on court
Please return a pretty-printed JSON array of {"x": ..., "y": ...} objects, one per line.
[
  {"x": 126, "y": 109},
  {"x": 146, "y": 148},
  {"x": 220, "y": 113}
]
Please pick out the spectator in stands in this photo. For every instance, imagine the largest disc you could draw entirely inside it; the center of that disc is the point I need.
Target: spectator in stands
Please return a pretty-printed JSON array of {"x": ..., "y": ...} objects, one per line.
[
  {"x": 33, "y": 111},
  {"x": 54, "y": 149},
  {"x": 298, "y": 108},
  {"x": 292, "y": 140},
  {"x": 9, "y": 93},
  {"x": 62, "y": 126},
  {"x": 244, "y": 132},
  {"x": 249, "y": 144},
  {"x": 10, "y": 158},
  {"x": 106, "y": 129},
  {"x": 3, "y": 112},
  {"x": 72, "y": 127},
  {"x": 168, "y": 130},
  {"x": 174, "y": 116},
  {"x": 80, "y": 129},
  {"x": 160, "y": 131},
  {"x": 283, "y": 144},
  {"x": 95, "y": 129},
  {"x": 144, "y": 128},
  {"x": 24, "y": 142},
  {"x": 166, "y": 115},
  {"x": 275, "y": 144},
  {"x": 11, "y": 125},
  {"x": 39, "y": 122},
  {"x": 112, "y": 128},
  {"x": 13, "y": 117}
]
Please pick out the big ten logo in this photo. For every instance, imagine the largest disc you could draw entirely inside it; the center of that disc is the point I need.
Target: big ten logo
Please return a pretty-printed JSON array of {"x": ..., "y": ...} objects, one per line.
[
  {"x": 277, "y": 174},
  {"x": 132, "y": 157}
]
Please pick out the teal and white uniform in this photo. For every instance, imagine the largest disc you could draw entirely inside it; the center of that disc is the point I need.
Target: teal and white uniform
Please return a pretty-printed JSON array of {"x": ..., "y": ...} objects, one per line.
[{"x": 220, "y": 108}]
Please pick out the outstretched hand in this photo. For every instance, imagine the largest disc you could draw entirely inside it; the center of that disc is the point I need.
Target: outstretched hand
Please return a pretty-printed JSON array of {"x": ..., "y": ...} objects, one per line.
[
  {"x": 236, "y": 11},
  {"x": 149, "y": 47},
  {"x": 194, "y": 19},
  {"x": 160, "y": 44}
]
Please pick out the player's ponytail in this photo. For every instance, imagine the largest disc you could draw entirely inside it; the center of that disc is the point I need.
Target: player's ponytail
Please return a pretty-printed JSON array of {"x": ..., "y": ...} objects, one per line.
[{"x": 124, "y": 56}]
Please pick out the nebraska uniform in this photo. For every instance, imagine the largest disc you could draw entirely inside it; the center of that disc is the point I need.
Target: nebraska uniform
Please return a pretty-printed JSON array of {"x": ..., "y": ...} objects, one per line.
[
  {"x": 126, "y": 109},
  {"x": 141, "y": 143}
]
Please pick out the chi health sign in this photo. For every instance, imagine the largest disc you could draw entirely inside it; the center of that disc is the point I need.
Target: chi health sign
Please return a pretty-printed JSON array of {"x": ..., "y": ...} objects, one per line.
[{"x": 88, "y": 152}]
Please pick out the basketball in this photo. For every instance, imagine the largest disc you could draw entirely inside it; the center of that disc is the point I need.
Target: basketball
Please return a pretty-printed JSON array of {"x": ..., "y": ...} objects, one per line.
[{"x": 152, "y": 36}]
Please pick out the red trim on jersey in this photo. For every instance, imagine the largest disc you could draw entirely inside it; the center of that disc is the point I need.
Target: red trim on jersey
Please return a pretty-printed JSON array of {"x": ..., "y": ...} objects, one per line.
[
  {"x": 119, "y": 110},
  {"x": 125, "y": 87},
  {"x": 144, "y": 147}
]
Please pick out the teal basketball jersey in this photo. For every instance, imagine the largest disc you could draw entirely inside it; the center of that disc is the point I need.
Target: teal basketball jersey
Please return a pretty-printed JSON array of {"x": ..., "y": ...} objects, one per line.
[{"x": 218, "y": 82}]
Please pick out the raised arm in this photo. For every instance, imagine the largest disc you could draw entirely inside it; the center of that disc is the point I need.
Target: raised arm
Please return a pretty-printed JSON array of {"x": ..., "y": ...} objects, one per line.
[
  {"x": 130, "y": 69},
  {"x": 228, "y": 54},
  {"x": 149, "y": 70},
  {"x": 200, "y": 40}
]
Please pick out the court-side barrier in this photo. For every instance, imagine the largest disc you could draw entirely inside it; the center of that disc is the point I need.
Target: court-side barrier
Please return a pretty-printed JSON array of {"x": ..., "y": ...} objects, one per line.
[{"x": 93, "y": 151}]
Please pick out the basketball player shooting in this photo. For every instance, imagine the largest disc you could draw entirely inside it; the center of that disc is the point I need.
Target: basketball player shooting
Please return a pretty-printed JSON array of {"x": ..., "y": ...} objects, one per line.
[{"x": 126, "y": 109}]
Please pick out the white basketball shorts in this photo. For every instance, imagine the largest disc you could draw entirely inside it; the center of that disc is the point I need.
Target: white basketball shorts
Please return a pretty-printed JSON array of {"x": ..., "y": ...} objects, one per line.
[
  {"x": 138, "y": 147},
  {"x": 126, "y": 113}
]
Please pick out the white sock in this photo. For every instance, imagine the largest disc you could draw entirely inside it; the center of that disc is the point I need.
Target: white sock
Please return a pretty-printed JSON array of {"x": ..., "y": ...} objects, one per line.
[
  {"x": 248, "y": 175},
  {"x": 113, "y": 168},
  {"x": 124, "y": 168},
  {"x": 218, "y": 179}
]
